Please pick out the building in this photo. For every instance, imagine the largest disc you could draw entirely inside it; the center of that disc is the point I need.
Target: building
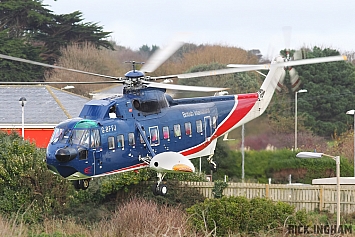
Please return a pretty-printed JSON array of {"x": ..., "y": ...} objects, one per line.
[{"x": 45, "y": 107}]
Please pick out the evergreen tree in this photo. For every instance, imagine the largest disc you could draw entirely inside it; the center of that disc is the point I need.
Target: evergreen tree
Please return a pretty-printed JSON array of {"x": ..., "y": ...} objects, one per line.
[
  {"x": 16, "y": 71},
  {"x": 331, "y": 88},
  {"x": 29, "y": 30},
  {"x": 330, "y": 93}
]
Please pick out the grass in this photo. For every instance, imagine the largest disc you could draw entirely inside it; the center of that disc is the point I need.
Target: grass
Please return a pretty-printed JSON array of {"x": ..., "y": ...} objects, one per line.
[{"x": 136, "y": 217}]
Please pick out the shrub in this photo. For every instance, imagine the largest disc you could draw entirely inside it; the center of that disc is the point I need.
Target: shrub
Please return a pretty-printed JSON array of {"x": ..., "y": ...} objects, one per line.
[
  {"x": 139, "y": 217},
  {"x": 218, "y": 188},
  {"x": 26, "y": 185},
  {"x": 230, "y": 215}
]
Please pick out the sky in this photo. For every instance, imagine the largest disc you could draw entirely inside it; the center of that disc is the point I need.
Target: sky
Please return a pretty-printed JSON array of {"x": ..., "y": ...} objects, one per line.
[{"x": 248, "y": 24}]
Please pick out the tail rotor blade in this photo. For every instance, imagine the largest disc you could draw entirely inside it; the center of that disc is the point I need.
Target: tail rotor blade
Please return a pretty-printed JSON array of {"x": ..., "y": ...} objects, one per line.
[
  {"x": 287, "y": 36},
  {"x": 294, "y": 79},
  {"x": 299, "y": 54},
  {"x": 281, "y": 81}
]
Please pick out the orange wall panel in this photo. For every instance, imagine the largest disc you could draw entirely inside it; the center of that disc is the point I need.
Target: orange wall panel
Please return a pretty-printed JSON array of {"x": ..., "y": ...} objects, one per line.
[{"x": 39, "y": 136}]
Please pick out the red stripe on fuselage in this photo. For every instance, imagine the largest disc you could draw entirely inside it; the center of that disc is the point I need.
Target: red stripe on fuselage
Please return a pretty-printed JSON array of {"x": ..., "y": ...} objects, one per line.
[
  {"x": 243, "y": 104},
  {"x": 129, "y": 168}
]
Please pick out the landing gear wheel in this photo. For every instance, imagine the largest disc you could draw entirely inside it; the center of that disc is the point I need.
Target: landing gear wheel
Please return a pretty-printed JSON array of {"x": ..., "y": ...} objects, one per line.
[
  {"x": 84, "y": 184},
  {"x": 76, "y": 184},
  {"x": 159, "y": 189},
  {"x": 163, "y": 189}
]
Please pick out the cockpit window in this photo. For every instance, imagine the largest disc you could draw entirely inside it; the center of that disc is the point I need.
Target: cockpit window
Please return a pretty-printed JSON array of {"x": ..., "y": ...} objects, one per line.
[
  {"x": 81, "y": 137},
  {"x": 60, "y": 135}
]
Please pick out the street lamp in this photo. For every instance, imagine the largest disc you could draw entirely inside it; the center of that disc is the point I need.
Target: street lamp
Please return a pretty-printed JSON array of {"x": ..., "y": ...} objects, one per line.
[
  {"x": 352, "y": 112},
  {"x": 22, "y": 101},
  {"x": 300, "y": 91},
  {"x": 337, "y": 161}
]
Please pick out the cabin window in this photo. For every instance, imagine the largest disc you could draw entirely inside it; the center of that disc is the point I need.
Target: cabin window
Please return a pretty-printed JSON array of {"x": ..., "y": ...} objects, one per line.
[
  {"x": 111, "y": 143},
  {"x": 177, "y": 130},
  {"x": 120, "y": 141},
  {"x": 95, "y": 138},
  {"x": 188, "y": 128},
  {"x": 131, "y": 140},
  {"x": 199, "y": 127},
  {"x": 154, "y": 135},
  {"x": 112, "y": 112},
  {"x": 214, "y": 121},
  {"x": 166, "y": 134},
  {"x": 141, "y": 137}
]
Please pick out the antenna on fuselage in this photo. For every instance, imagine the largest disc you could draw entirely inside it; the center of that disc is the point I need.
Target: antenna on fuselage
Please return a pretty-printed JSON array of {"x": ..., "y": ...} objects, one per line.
[{"x": 134, "y": 64}]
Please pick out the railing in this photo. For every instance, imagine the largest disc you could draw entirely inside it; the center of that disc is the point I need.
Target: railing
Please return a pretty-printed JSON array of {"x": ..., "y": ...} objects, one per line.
[{"x": 309, "y": 197}]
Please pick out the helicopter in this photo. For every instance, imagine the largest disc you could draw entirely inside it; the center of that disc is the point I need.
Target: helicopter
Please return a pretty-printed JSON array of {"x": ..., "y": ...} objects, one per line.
[{"x": 146, "y": 127}]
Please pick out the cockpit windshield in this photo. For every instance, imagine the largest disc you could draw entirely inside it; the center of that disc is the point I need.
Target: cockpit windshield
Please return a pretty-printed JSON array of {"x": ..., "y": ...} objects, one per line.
[
  {"x": 81, "y": 137},
  {"x": 84, "y": 133},
  {"x": 60, "y": 135}
]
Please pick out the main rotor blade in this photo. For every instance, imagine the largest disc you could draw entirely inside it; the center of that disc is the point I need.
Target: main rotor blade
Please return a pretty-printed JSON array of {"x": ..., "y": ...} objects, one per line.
[
  {"x": 313, "y": 61},
  {"x": 161, "y": 55},
  {"x": 58, "y": 82},
  {"x": 184, "y": 88},
  {"x": 245, "y": 68},
  {"x": 53, "y": 66},
  {"x": 295, "y": 62},
  {"x": 215, "y": 72}
]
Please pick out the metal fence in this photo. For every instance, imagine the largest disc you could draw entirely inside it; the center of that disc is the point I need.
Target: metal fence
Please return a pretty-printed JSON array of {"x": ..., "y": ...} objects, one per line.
[{"x": 309, "y": 197}]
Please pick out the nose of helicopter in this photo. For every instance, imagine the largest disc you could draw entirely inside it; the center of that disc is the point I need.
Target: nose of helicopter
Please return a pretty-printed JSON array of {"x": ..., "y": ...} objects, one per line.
[{"x": 65, "y": 154}]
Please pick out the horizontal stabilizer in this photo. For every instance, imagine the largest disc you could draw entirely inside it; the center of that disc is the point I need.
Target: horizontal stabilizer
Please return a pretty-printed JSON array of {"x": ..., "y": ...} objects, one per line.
[{"x": 171, "y": 162}]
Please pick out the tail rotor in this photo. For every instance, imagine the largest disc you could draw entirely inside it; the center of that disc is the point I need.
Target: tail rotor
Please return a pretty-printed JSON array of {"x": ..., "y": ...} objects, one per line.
[{"x": 297, "y": 55}]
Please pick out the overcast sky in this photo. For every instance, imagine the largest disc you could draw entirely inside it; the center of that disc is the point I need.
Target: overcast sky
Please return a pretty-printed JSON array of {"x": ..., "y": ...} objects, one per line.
[{"x": 247, "y": 24}]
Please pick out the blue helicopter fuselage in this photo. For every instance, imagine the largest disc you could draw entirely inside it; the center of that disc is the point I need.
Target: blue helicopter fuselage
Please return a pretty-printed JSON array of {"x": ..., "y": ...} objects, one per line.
[{"x": 119, "y": 134}]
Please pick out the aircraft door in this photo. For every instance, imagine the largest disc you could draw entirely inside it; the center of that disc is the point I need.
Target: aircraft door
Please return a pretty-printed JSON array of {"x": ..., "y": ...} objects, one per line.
[
  {"x": 96, "y": 149},
  {"x": 208, "y": 127}
]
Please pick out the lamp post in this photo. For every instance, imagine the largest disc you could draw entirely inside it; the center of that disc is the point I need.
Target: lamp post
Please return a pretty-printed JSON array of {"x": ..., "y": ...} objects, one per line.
[
  {"x": 243, "y": 154},
  {"x": 337, "y": 161},
  {"x": 300, "y": 91},
  {"x": 22, "y": 101},
  {"x": 352, "y": 112}
]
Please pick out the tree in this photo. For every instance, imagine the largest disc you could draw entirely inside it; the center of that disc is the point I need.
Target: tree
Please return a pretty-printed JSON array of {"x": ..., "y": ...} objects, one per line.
[
  {"x": 147, "y": 51},
  {"x": 322, "y": 109},
  {"x": 16, "y": 71},
  {"x": 22, "y": 18},
  {"x": 63, "y": 30},
  {"x": 331, "y": 90},
  {"x": 42, "y": 35}
]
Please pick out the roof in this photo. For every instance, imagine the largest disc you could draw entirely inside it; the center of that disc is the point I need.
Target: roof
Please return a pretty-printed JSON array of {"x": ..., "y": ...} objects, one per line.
[
  {"x": 45, "y": 105},
  {"x": 333, "y": 181},
  {"x": 108, "y": 92}
]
